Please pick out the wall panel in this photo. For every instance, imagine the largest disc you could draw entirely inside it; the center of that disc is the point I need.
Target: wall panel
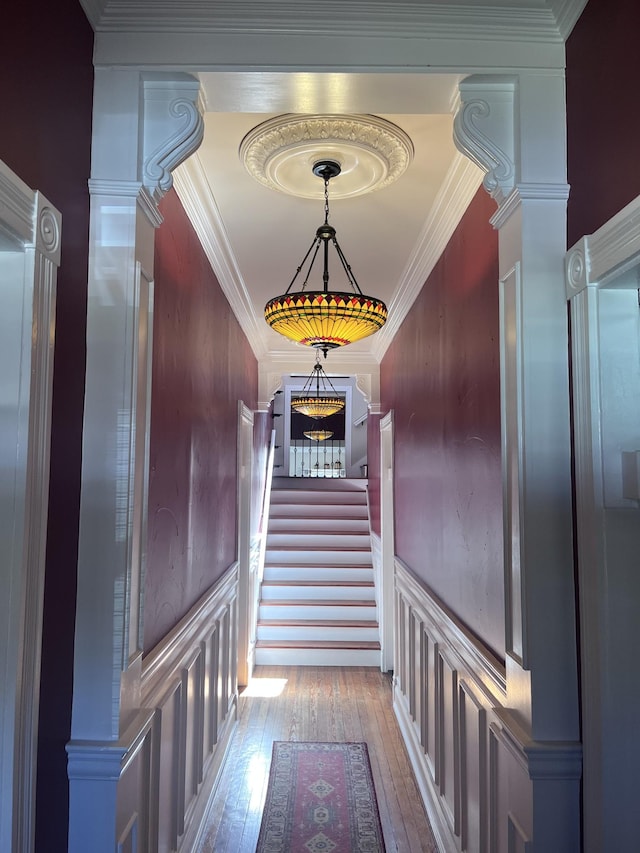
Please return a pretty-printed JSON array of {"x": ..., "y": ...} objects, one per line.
[
  {"x": 479, "y": 773},
  {"x": 189, "y": 688}
]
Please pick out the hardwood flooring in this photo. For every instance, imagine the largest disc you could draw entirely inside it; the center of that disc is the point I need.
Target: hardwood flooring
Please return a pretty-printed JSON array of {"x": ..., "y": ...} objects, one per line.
[{"x": 315, "y": 704}]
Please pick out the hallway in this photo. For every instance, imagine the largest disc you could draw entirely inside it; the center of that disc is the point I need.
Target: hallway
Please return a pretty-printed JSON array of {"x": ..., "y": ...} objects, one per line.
[{"x": 315, "y": 704}]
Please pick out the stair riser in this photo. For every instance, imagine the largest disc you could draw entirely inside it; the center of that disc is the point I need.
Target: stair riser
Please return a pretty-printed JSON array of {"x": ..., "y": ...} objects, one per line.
[
  {"x": 317, "y": 657},
  {"x": 318, "y": 611},
  {"x": 318, "y": 557},
  {"x": 286, "y": 593},
  {"x": 355, "y": 574},
  {"x": 295, "y": 496},
  {"x": 317, "y": 511},
  {"x": 319, "y": 525},
  {"x": 337, "y": 541},
  {"x": 313, "y": 632}
]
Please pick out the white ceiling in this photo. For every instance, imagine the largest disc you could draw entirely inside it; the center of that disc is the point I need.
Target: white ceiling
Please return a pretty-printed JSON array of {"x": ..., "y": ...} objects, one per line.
[{"x": 389, "y": 236}]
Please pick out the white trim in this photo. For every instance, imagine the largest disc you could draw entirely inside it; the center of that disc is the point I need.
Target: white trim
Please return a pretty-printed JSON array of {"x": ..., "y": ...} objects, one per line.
[
  {"x": 601, "y": 280},
  {"x": 31, "y": 228},
  {"x": 386, "y": 575},
  {"x": 611, "y": 250},
  {"x": 404, "y": 20},
  {"x": 248, "y": 584}
]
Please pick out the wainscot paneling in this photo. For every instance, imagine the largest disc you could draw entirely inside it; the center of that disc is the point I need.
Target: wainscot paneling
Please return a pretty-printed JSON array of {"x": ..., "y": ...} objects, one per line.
[
  {"x": 479, "y": 773},
  {"x": 189, "y": 688}
]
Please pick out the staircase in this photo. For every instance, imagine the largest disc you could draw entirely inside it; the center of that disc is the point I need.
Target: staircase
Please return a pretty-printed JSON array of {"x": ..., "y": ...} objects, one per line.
[{"x": 317, "y": 605}]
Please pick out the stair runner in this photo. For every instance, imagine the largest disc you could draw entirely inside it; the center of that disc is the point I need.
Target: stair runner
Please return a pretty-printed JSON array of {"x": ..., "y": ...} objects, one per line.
[{"x": 317, "y": 604}]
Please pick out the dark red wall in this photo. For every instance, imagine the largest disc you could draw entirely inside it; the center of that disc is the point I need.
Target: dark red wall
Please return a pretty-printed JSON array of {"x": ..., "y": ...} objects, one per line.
[
  {"x": 441, "y": 377},
  {"x": 603, "y": 121},
  {"x": 46, "y": 86},
  {"x": 202, "y": 366}
]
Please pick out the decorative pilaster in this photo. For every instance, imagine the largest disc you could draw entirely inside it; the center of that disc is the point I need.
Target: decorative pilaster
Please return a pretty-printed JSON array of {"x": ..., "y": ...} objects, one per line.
[
  {"x": 514, "y": 129},
  {"x": 157, "y": 124}
]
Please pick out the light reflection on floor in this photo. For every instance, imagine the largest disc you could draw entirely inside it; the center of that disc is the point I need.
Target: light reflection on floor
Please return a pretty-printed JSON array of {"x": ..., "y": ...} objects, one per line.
[{"x": 264, "y": 687}]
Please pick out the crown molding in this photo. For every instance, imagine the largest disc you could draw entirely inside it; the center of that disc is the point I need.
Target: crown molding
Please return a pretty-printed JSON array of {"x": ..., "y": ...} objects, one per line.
[
  {"x": 510, "y": 21},
  {"x": 459, "y": 187},
  {"x": 94, "y": 10},
  {"x": 200, "y": 206},
  {"x": 566, "y": 13}
]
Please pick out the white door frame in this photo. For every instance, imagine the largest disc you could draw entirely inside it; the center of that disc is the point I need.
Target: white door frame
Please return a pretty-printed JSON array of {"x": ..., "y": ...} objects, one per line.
[
  {"x": 247, "y": 581},
  {"x": 387, "y": 546},
  {"x": 30, "y": 231}
]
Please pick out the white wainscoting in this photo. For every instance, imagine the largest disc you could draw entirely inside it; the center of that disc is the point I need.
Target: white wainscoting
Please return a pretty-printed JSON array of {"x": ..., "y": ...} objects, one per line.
[
  {"x": 189, "y": 691},
  {"x": 485, "y": 784}
]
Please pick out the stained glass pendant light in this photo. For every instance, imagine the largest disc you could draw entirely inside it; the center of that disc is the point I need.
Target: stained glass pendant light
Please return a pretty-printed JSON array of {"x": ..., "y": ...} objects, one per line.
[
  {"x": 318, "y": 434},
  {"x": 321, "y": 401},
  {"x": 325, "y": 318}
]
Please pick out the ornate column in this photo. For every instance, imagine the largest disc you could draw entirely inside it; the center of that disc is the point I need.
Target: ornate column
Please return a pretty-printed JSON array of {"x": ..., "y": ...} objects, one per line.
[
  {"x": 144, "y": 126},
  {"x": 514, "y": 129}
]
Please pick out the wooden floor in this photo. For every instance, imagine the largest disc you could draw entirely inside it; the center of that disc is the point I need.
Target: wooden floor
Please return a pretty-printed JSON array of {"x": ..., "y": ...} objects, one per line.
[{"x": 315, "y": 704}]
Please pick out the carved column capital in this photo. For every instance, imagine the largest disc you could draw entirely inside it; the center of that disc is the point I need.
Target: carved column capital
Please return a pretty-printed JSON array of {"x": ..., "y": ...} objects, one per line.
[{"x": 483, "y": 130}]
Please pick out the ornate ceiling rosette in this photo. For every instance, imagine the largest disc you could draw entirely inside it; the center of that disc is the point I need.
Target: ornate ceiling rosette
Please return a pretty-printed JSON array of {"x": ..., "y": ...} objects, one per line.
[{"x": 372, "y": 153}]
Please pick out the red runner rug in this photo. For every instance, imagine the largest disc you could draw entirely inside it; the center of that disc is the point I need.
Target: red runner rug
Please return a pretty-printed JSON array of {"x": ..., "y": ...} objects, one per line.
[{"x": 320, "y": 799}]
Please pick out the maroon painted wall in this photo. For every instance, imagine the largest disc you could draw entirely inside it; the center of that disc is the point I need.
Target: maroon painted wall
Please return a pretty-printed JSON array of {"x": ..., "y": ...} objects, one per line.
[
  {"x": 603, "y": 122},
  {"x": 202, "y": 366},
  {"x": 46, "y": 86},
  {"x": 441, "y": 377},
  {"x": 373, "y": 462}
]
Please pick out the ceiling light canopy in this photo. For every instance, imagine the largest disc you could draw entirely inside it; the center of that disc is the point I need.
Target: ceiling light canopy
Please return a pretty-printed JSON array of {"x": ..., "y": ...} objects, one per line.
[
  {"x": 325, "y": 319},
  {"x": 321, "y": 401}
]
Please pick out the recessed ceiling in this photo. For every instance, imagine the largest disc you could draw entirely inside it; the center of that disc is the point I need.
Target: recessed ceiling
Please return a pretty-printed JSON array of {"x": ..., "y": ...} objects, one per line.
[{"x": 391, "y": 237}]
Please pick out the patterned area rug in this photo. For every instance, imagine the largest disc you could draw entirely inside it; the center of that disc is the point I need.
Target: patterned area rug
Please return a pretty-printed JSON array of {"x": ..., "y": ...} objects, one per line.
[{"x": 320, "y": 799}]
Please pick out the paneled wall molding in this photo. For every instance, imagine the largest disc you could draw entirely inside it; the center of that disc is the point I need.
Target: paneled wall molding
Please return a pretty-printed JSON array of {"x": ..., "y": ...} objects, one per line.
[
  {"x": 160, "y": 772},
  {"x": 170, "y": 653},
  {"x": 30, "y": 231},
  {"x": 487, "y": 669},
  {"x": 485, "y": 782}
]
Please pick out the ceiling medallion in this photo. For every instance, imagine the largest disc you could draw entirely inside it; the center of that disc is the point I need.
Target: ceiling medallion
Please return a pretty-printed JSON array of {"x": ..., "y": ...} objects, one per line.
[{"x": 281, "y": 152}]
